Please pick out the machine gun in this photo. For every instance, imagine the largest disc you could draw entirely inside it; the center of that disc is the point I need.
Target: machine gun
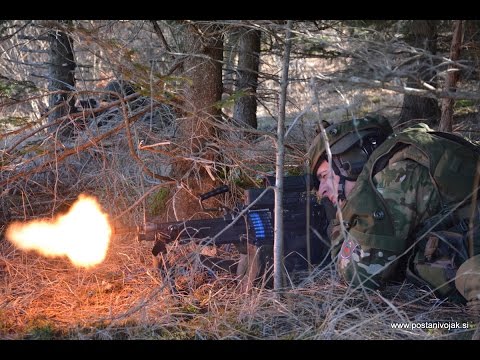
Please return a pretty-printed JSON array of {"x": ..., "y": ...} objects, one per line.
[{"x": 253, "y": 223}]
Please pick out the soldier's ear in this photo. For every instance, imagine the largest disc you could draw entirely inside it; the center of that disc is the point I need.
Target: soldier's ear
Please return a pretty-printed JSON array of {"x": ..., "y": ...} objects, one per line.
[{"x": 325, "y": 124}]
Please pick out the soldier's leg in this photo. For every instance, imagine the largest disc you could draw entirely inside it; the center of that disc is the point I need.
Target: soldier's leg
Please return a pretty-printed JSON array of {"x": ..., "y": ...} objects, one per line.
[{"x": 468, "y": 281}]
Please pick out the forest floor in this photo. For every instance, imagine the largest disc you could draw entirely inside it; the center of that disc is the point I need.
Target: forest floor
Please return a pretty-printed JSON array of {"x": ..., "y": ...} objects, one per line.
[{"x": 126, "y": 297}]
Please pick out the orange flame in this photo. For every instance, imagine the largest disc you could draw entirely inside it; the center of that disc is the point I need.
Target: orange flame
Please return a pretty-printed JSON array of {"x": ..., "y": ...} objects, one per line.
[{"x": 83, "y": 234}]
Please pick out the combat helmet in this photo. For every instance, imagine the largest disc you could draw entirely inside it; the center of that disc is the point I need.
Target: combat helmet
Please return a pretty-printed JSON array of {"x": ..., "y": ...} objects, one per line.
[{"x": 351, "y": 143}]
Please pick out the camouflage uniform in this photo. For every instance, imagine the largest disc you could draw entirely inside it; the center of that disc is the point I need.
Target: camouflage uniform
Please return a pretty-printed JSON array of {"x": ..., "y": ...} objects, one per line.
[
  {"x": 403, "y": 217},
  {"x": 400, "y": 184}
]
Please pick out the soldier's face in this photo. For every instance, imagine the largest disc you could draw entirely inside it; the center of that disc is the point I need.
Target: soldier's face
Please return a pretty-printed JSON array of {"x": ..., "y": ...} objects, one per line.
[{"x": 329, "y": 183}]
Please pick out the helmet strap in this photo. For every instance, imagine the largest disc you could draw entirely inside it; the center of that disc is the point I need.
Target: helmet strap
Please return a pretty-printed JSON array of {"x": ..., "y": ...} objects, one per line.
[
  {"x": 336, "y": 165},
  {"x": 343, "y": 178},
  {"x": 341, "y": 188}
]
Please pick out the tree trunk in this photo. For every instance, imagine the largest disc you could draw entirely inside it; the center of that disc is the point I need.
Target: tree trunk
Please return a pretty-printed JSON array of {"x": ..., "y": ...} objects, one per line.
[
  {"x": 245, "y": 109},
  {"x": 279, "y": 171},
  {"x": 424, "y": 36},
  {"x": 203, "y": 69},
  {"x": 453, "y": 75},
  {"x": 61, "y": 73},
  {"x": 230, "y": 61}
]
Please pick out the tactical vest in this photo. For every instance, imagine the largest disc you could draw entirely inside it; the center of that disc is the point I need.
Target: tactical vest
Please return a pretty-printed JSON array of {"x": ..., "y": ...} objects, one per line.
[{"x": 452, "y": 163}]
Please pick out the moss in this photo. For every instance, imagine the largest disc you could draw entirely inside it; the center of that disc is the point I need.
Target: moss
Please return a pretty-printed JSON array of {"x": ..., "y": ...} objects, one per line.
[
  {"x": 463, "y": 103},
  {"x": 173, "y": 333},
  {"x": 158, "y": 202},
  {"x": 5, "y": 325},
  {"x": 229, "y": 101},
  {"x": 13, "y": 121},
  {"x": 246, "y": 182},
  {"x": 10, "y": 88},
  {"x": 295, "y": 171},
  {"x": 41, "y": 328},
  {"x": 191, "y": 309}
]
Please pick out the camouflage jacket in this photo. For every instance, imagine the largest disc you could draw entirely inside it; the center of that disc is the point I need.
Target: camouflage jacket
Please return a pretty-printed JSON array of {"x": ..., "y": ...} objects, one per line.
[{"x": 410, "y": 178}]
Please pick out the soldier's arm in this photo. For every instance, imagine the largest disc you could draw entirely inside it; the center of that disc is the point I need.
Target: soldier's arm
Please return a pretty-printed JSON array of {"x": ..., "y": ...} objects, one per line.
[{"x": 410, "y": 197}]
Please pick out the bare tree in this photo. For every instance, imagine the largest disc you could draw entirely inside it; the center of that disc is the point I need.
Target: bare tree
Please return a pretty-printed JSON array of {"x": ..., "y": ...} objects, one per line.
[{"x": 278, "y": 241}]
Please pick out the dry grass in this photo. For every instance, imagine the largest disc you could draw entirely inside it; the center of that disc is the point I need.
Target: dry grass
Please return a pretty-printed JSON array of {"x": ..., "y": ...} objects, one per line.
[{"x": 125, "y": 297}]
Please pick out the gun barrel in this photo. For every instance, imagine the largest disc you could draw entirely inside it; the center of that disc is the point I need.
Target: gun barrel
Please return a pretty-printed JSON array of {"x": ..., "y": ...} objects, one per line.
[
  {"x": 147, "y": 227},
  {"x": 146, "y": 236},
  {"x": 122, "y": 230}
]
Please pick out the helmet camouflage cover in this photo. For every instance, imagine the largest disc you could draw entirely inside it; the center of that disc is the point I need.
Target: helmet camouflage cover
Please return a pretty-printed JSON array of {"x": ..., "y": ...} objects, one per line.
[{"x": 344, "y": 135}]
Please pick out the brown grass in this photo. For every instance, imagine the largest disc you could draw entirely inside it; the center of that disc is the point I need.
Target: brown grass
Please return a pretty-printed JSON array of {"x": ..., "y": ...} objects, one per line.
[{"x": 125, "y": 297}]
